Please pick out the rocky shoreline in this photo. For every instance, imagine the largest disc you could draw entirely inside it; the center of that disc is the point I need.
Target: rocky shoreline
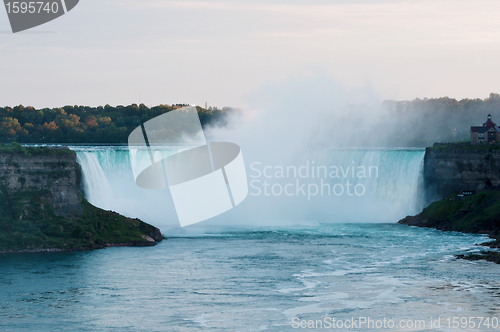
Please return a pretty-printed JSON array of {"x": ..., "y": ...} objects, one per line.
[{"x": 478, "y": 214}]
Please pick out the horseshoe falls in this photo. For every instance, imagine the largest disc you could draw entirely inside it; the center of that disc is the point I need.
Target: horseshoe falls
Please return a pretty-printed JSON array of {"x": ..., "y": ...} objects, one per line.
[{"x": 333, "y": 186}]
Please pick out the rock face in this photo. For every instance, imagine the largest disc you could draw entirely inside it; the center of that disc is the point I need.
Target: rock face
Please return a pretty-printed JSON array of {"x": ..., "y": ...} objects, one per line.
[
  {"x": 452, "y": 170},
  {"x": 55, "y": 173}
]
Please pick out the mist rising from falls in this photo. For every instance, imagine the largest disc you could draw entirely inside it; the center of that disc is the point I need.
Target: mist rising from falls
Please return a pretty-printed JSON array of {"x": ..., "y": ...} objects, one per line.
[{"x": 394, "y": 193}]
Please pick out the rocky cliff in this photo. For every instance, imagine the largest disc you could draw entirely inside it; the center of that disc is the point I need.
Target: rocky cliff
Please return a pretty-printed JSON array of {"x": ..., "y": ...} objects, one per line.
[
  {"x": 41, "y": 208},
  {"x": 450, "y": 169},
  {"x": 50, "y": 172}
]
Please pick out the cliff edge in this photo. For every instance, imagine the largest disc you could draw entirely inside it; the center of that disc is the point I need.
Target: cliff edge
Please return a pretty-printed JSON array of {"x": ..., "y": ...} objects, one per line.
[{"x": 41, "y": 209}]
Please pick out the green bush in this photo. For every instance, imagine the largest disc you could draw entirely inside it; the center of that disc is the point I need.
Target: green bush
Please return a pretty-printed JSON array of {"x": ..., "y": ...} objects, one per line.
[{"x": 54, "y": 230}]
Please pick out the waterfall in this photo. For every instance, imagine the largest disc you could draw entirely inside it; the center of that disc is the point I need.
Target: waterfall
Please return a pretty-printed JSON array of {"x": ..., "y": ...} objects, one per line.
[
  {"x": 393, "y": 191},
  {"x": 95, "y": 183}
]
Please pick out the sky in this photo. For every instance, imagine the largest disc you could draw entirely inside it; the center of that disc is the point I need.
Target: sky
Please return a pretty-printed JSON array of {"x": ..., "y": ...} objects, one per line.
[{"x": 226, "y": 52}]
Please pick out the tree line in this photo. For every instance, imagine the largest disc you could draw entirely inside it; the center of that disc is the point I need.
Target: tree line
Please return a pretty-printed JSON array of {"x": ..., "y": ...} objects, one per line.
[
  {"x": 421, "y": 122},
  {"x": 85, "y": 124}
]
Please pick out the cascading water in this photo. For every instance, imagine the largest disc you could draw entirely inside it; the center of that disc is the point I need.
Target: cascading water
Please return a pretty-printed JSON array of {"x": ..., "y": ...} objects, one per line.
[
  {"x": 108, "y": 183},
  {"x": 392, "y": 190},
  {"x": 396, "y": 175},
  {"x": 95, "y": 183}
]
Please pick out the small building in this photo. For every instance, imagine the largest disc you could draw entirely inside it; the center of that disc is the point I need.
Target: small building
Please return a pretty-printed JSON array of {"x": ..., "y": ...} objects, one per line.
[{"x": 487, "y": 133}]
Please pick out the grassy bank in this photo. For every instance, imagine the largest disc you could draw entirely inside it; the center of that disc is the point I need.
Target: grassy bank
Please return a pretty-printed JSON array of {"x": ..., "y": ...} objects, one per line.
[
  {"x": 85, "y": 227},
  {"x": 16, "y": 148}
]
